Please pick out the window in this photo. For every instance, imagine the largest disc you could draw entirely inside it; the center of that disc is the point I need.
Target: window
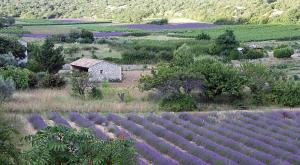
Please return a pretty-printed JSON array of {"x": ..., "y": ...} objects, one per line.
[{"x": 101, "y": 71}]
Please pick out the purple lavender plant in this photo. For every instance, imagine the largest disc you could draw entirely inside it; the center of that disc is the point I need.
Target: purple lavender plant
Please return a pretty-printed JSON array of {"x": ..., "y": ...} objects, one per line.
[
  {"x": 205, "y": 142},
  {"x": 170, "y": 26},
  {"x": 83, "y": 122},
  {"x": 37, "y": 122},
  {"x": 206, "y": 155},
  {"x": 58, "y": 119},
  {"x": 157, "y": 143}
]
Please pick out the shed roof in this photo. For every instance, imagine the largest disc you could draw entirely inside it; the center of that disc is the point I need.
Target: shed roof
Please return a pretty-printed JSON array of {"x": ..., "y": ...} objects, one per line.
[{"x": 85, "y": 62}]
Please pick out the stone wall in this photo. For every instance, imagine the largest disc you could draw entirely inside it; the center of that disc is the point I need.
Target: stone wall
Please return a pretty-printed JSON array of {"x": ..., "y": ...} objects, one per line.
[{"x": 105, "y": 71}]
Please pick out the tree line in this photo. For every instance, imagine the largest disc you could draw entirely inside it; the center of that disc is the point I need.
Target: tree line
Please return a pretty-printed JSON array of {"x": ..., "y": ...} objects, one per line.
[{"x": 221, "y": 12}]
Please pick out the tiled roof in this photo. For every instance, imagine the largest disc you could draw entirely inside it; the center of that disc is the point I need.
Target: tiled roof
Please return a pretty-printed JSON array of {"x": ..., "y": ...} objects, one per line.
[{"x": 85, "y": 62}]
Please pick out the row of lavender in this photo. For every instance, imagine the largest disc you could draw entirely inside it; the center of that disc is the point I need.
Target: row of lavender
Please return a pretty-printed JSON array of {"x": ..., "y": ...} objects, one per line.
[
  {"x": 240, "y": 138},
  {"x": 96, "y": 34}
]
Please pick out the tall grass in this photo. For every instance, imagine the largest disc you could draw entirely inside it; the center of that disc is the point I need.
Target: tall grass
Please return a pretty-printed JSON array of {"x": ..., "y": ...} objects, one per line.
[{"x": 43, "y": 100}]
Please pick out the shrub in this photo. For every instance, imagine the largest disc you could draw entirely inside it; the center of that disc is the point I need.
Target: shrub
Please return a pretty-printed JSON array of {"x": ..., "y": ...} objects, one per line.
[
  {"x": 159, "y": 22},
  {"x": 53, "y": 81},
  {"x": 137, "y": 34},
  {"x": 7, "y": 59},
  {"x": 283, "y": 52},
  {"x": 87, "y": 35},
  {"x": 72, "y": 50},
  {"x": 138, "y": 56},
  {"x": 95, "y": 93},
  {"x": 73, "y": 36},
  {"x": 225, "y": 43},
  {"x": 7, "y": 88},
  {"x": 203, "y": 36},
  {"x": 178, "y": 103},
  {"x": 234, "y": 55},
  {"x": 19, "y": 75},
  {"x": 254, "y": 54},
  {"x": 287, "y": 93},
  {"x": 32, "y": 80}
]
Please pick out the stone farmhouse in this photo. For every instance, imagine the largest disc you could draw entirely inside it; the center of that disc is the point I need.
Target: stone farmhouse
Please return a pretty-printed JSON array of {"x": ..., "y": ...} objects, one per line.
[{"x": 99, "y": 70}]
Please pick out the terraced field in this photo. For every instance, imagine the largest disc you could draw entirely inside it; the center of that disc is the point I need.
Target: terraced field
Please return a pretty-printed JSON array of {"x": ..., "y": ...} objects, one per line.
[{"x": 229, "y": 138}]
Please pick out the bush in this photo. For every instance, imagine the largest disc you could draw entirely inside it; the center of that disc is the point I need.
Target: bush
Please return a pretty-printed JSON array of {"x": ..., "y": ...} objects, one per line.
[
  {"x": 159, "y": 22},
  {"x": 203, "y": 36},
  {"x": 287, "y": 93},
  {"x": 283, "y": 52},
  {"x": 72, "y": 50},
  {"x": 87, "y": 35},
  {"x": 32, "y": 80},
  {"x": 73, "y": 36},
  {"x": 7, "y": 88},
  {"x": 53, "y": 81},
  {"x": 138, "y": 56},
  {"x": 234, "y": 55},
  {"x": 95, "y": 93},
  {"x": 254, "y": 54},
  {"x": 19, "y": 75},
  {"x": 178, "y": 103},
  {"x": 7, "y": 59}
]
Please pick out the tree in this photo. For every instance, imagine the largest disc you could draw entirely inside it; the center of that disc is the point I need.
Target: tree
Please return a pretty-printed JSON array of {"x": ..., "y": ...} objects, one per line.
[
  {"x": 9, "y": 45},
  {"x": 219, "y": 78},
  {"x": 80, "y": 83},
  {"x": 20, "y": 76},
  {"x": 226, "y": 42},
  {"x": 183, "y": 56},
  {"x": 61, "y": 145},
  {"x": 7, "y": 88},
  {"x": 47, "y": 58}
]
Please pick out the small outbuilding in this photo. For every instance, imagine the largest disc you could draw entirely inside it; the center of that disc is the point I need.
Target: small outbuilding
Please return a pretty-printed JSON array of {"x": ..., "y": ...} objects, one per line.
[{"x": 99, "y": 70}]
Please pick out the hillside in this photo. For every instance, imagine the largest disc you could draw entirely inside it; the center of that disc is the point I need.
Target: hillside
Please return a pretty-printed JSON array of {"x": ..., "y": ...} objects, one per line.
[{"x": 241, "y": 11}]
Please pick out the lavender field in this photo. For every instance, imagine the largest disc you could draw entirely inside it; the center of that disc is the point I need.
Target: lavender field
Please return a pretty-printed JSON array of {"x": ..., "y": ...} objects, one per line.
[
  {"x": 170, "y": 26},
  {"x": 227, "y": 138}
]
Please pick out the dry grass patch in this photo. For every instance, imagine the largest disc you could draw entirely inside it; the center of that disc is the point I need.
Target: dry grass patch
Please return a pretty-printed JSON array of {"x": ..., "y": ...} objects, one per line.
[{"x": 43, "y": 100}]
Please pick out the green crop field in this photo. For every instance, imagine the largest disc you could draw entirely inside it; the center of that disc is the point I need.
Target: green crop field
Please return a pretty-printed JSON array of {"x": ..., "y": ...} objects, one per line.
[
  {"x": 247, "y": 32},
  {"x": 13, "y": 30}
]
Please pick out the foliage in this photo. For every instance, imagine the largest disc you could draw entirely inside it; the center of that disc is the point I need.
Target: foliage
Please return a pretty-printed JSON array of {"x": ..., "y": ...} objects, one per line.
[
  {"x": 95, "y": 93},
  {"x": 20, "y": 76},
  {"x": 203, "y": 36},
  {"x": 52, "y": 81},
  {"x": 286, "y": 93},
  {"x": 183, "y": 56},
  {"x": 62, "y": 145},
  {"x": 256, "y": 11},
  {"x": 10, "y": 45},
  {"x": 9, "y": 153},
  {"x": 86, "y": 36},
  {"x": 159, "y": 22},
  {"x": 283, "y": 52},
  {"x": 259, "y": 79},
  {"x": 254, "y": 54},
  {"x": 32, "y": 80},
  {"x": 47, "y": 58},
  {"x": 234, "y": 55},
  {"x": 7, "y": 59},
  {"x": 7, "y": 89},
  {"x": 80, "y": 83},
  {"x": 219, "y": 78},
  {"x": 138, "y": 56},
  {"x": 6, "y": 21},
  {"x": 178, "y": 103},
  {"x": 226, "y": 42}
]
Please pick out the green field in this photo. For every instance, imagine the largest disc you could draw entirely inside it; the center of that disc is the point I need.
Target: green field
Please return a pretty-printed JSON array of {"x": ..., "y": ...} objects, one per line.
[
  {"x": 243, "y": 32},
  {"x": 13, "y": 30},
  {"x": 247, "y": 32}
]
